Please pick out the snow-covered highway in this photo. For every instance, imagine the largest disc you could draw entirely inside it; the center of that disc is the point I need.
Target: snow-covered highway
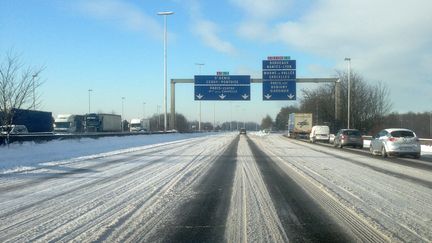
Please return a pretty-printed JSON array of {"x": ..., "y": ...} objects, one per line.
[{"x": 224, "y": 188}]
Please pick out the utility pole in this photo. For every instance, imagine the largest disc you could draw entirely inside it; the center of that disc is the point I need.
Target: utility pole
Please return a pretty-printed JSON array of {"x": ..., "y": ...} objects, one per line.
[{"x": 349, "y": 89}]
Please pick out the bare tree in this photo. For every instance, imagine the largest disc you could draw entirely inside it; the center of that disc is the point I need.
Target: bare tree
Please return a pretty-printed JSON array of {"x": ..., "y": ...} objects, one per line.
[
  {"x": 18, "y": 85},
  {"x": 369, "y": 103}
]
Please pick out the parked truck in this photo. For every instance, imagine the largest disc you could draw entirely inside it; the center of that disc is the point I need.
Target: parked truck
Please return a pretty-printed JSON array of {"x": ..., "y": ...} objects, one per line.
[
  {"x": 69, "y": 123},
  {"x": 102, "y": 122},
  {"x": 33, "y": 120},
  {"x": 299, "y": 125},
  {"x": 139, "y": 125}
]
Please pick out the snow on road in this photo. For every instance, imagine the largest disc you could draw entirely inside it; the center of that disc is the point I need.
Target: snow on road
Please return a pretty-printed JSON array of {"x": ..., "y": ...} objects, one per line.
[
  {"x": 394, "y": 198},
  {"x": 252, "y": 216},
  {"x": 30, "y": 155},
  {"x": 125, "y": 196}
]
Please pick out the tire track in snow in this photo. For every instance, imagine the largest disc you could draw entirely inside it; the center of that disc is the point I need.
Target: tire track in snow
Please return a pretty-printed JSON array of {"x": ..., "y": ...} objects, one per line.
[
  {"x": 252, "y": 216},
  {"x": 203, "y": 218},
  {"x": 302, "y": 217},
  {"x": 88, "y": 212}
]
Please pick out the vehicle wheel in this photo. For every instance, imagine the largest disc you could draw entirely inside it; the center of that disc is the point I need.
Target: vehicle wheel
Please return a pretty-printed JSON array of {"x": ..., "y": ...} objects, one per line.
[
  {"x": 340, "y": 145},
  {"x": 335, "y": 144},
  {"x": 360, "y": 146},
  {"x": 383, "y": 152},
  {"x": 371, "y": 150},
  {"x": 417, "y": 156}
]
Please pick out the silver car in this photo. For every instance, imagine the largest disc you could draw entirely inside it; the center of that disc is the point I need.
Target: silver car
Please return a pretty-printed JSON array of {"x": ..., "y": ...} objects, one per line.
[{"x": 396, "y": 141}]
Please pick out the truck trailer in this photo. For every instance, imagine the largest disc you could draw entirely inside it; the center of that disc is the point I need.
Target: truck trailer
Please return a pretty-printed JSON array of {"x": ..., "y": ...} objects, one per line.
[
  {"x": 69, "y": 124},
  {"x": 299, "y": 125},
  {"x": 102, "y": 122},
  {"x": 35, "y": 121}
]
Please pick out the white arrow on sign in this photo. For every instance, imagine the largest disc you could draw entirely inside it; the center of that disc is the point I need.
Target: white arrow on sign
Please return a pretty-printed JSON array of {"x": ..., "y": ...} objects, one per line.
[
  {"x": 200, "y": 96},
  {"x": 291, "y": 96},
  {"x": 267, "y": 96},
  {"x": 222, "y": 96},
  {"x": 245, "y": 96}
]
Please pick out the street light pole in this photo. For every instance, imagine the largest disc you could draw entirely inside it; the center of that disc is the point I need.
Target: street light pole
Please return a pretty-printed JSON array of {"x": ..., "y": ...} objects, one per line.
[
  {"x": 89, "y": 91},
  {"x": 34, "y": 90},
  {"x": 144, "y": 110},
  {"x": 122, "y": 128},
  {"x": 165, "y": 14},
  {"x": 349, "y": 89}
]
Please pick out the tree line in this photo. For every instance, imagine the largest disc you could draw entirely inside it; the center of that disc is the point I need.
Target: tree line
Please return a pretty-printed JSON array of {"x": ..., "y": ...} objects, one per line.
[{"x": 370, "y": 109}]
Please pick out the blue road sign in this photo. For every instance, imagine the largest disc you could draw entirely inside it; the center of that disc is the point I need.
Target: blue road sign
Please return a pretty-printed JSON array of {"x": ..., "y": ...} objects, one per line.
[
  {"x": 279, "y": 79},
  {"x": 279, "y": 64},
  {"x": 221, "y": 87},
  {"x": 279, "y": 74},
  {"x": 279, "y": 90}
]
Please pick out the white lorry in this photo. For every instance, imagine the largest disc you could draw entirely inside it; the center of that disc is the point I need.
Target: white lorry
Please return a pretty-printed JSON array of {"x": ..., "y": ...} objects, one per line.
[
  {"x": 139, "y": 125},
  {"x": 69, "y": 123}
]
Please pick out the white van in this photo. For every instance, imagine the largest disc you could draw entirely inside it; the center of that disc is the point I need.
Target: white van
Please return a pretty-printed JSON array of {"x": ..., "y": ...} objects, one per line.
[{"x": 320, "y": 133}]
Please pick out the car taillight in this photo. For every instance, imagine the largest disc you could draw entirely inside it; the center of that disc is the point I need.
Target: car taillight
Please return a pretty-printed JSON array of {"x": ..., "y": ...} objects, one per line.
[
  {"x": 343, "y": 137},
  {"x": 392, "y": 139}
]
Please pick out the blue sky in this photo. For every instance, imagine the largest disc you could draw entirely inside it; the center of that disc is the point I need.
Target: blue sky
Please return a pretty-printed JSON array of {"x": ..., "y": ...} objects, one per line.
[{"x": 115, "y": 47}]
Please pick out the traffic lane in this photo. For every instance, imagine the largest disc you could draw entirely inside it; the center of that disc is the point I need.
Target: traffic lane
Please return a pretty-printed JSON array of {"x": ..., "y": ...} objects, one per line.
[
  {"x": 128, "y": 200},
  {"x": 425, "y": 162},
  {"x": 302, "y": 218},
  {"x": 400, "y": 207},
  {"x": 203, "y": 218}
]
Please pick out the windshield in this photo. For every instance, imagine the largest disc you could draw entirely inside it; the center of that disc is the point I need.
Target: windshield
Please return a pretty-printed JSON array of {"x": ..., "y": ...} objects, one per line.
[
  {"x": 216, "y": 121},
  {"x": 62, "y": 124},
  {"x": 402, "y": 134},
  {"x": 352, "y": 133}
]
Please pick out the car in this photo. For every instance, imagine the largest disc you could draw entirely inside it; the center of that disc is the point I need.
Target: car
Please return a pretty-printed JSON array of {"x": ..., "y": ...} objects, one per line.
[
  {"x": 319, "y": 133},
  {"x": 242, "y": 131},
  {"x": 348, "y": 137},
  {"x": 13, "y": 129},
  {"x": 396, "y": 141}
]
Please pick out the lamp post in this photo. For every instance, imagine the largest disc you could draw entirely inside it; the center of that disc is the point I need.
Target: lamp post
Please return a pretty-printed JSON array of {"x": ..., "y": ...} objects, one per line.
[
  {"x": 349, "y": 89},
  {"x": 34, "y": 90},
  {"x": 157, "y": 111},
  {"x": 144, "y": 110},
  {"x": 199, "y": 72},
  {"x": 165, "y": 14},
  {"x": 122, "y": 99},
  {"x": 89, "y": 92}
]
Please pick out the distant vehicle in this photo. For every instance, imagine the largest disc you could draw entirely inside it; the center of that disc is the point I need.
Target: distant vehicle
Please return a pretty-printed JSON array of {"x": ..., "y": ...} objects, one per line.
[
  {"x": 102, "y": 122},
  {"x": 69, "y": 124},
  {"x": 348, "y": 137},
  {"x": 299, "y": 125},
  {"x": 320, "y": 133},
  {"x": 139, "y": 125},
  {"x": 242, "y": 131},
  {"x": 35, "y": 121},
  {"x": 396, "y": 141},
  {"x": 13, "y": 129}
]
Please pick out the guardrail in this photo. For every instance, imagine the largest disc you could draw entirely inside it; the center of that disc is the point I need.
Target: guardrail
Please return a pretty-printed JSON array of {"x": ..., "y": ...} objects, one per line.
[{"x": 44, "y": 137}]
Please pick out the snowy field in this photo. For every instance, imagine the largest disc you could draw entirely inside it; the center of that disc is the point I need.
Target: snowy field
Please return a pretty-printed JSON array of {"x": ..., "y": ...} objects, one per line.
[{"x": 29, "y": 155}]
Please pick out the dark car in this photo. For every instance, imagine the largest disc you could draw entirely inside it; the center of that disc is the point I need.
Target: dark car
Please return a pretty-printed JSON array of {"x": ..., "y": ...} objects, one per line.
[
  {"x": 348, "y": 137},
  {"x": 242, "y": 131}
]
